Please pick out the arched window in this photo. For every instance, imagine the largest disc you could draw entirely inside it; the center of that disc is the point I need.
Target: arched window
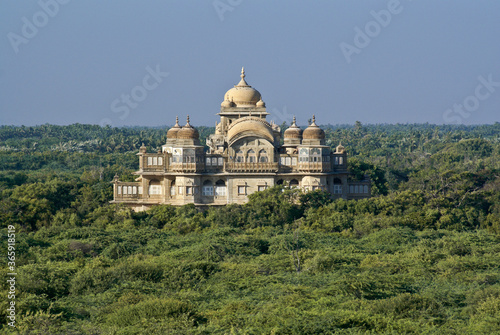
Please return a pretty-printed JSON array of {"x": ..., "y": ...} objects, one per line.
[
  {"x": 294, "y": 183},
  {"x": 304, "y": 155},
  {"x": 251, "y": 156},
  {"x": 220, "y": 188},
  {"x": 239, "y": 156},
  {"x": 315, "y": 155},
  {"x": 208, "y": 189},
  {"x": 279, "y": 182},
  {"x": 365, "y": 189},
  {"x": 337, "y": 186},
  {"x": 263, "y": 156},
  {"x": 154, "y": 187}
]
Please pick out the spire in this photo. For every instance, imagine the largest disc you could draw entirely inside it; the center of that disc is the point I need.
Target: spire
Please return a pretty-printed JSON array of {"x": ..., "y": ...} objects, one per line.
[
  {"x": 176, "y": 122},
  {"x": 187, "y": 123},
  {"x": 242, "y": 81}
]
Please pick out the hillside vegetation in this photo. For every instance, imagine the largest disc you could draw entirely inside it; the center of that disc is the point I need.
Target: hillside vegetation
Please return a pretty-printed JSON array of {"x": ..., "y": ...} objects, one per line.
[{"x": 422, "y": 256}]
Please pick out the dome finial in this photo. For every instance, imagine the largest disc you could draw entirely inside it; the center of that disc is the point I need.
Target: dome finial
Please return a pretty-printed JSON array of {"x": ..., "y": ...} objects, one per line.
[
  {"x": 177, "y": 121},
  {"x": 187, "y": 124},
  {"x": 313, "y": 120},
  {"x": 242, "y": 81},
  {"x": 293, "y": 120}
]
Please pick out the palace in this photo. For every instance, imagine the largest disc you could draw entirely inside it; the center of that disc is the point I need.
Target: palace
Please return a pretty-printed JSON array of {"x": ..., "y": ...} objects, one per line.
[{"x": 245, "y": 155}]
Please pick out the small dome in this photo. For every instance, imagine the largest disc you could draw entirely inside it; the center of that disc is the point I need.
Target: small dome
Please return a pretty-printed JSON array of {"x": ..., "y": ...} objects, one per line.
[
  {"x": 260, "y": 103},
  {"x": 243, "y": 95},
  {"x": 227, "y": 103},
  {"x": 293, "y": 131},
  {"x": 188, "y": 132},
  {"x": 172, "y": 132},
  {"x": 313, "y": 132}
]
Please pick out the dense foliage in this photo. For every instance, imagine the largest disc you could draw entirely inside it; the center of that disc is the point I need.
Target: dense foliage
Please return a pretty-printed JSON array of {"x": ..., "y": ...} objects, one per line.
[{"x": 422, "y": 256}]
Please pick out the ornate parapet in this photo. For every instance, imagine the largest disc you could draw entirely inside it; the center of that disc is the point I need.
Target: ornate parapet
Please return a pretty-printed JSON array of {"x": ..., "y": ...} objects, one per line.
[
  {"x": 154, "y": 162},
  {"x": 250, "y": 167},
  {"x": 127, "y": 190},
  {"x": 186, "y": 167},
  {"x": 314, "y": 167}
]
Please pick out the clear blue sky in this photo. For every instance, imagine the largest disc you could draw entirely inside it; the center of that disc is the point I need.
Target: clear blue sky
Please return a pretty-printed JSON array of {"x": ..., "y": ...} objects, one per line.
[{"x": 373, "y": 61}]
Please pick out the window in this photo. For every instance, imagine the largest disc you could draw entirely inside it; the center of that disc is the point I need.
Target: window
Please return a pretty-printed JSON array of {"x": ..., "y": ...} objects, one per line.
[
  {"x": 351, "y": 189},
  {"x": 288, "y": 161},
  {"x": 220, "y": 188},
  {"x": 150, "y": 160},
  {"x": 172, "y": 190},
  {"x": 263, "y": 156},
  {"x": 160, "y": 160},
  {"x": 241, "y": 189},
  {"x": 154, "y": 189},
  {"x": 119, "y": 188},
  {"x": 214, "y": 161},
  {"x": 356, "y": 189},
  {"x": 140, "y": 189},
  {"x": 365, "y": 189},
  {"x": 261, "y": 188},
  {"x": 155, "y": 160},
  {"x": 294, "y": 161},
  {"x": 239, "y": 156},
  {"x": 134, "y": 190},
  {"x": 220, "y": 161},
  {"x": 208, "y": 190},
  {"x": 124, "y": 190},
  {"x": 180, "y": 190},
  {"x": 189, "y": 190},
  {"x": 209, "y": 161},
  {"x": 294, "y": 183},
  {"x": 251, "y": 156},
  {"x": 337, "y": 189},
  {"x": 341, "y": 160}
]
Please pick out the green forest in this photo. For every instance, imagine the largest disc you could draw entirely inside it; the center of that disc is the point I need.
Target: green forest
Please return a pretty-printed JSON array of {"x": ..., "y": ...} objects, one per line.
[{"x": 421, "y": 256}]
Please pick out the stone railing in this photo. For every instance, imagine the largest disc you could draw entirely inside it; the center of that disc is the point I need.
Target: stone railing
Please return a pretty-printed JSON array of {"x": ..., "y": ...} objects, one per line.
[
  {"x": 127, "y": 190},
  {"x": 186, "y": 167},
  {"x": 250, "y": 167},
  {"x": 314, "y": 166},
  {"x": 154, "y": 162}
]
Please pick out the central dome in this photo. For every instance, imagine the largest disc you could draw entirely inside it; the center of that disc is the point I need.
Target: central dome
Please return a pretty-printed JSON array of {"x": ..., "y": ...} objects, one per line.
[{"x": 243, "y": 95}]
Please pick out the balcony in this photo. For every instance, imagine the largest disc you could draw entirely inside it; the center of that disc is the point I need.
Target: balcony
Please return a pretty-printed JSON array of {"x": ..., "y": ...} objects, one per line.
[
  {"x": 153, "y": 162},
  {"x": 251, "y": 167},
  {"x": 127, "y": 191},
  {"x": 314, "y": 167},
  {"x": 186, "y": 167}
]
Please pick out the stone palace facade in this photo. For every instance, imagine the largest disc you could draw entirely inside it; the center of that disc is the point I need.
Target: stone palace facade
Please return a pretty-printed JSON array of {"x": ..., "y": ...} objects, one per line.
[{"x": 245, "y": 155}]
